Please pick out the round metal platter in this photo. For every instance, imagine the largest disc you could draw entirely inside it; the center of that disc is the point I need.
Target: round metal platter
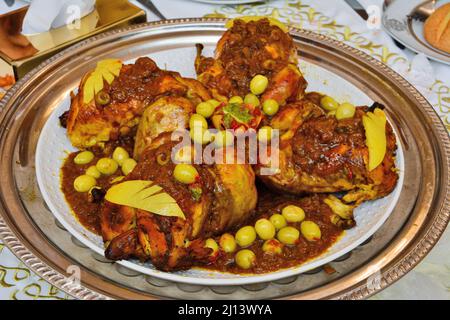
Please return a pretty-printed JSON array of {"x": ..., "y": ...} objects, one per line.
[{"x": 28, "y": 227}]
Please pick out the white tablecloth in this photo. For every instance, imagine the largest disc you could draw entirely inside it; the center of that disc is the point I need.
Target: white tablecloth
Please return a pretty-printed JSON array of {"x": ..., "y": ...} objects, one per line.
[{"x": 431, "y": 278}]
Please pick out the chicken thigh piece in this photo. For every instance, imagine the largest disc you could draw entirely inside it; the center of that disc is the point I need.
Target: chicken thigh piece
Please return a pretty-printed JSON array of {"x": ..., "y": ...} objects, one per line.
[
  {"x": 118, "y": 106},
  {"x": 246, "y": 50},
  {"x": 222, "y": 197},
  {"x": 320, "y": 154},
  {"x": 167, "y": 114}
]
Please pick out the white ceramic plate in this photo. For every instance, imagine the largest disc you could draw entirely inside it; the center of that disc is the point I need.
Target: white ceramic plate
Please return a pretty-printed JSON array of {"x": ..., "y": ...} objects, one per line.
[
  {"x": 410, "y": 32},
  {"x": 53, "y": 147}
]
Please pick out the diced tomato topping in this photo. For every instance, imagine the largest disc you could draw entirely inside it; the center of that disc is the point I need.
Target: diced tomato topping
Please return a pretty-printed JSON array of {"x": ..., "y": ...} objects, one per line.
[
  {"x": 220, "y": 106},
  {"x": 234, "y": 125},
  {"x": 349, "y": 172},
  {"x": 256, "y": 112}
]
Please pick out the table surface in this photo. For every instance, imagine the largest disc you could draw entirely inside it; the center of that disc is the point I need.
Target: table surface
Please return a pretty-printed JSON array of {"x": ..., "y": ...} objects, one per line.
[{"x": 431, "y": 278}]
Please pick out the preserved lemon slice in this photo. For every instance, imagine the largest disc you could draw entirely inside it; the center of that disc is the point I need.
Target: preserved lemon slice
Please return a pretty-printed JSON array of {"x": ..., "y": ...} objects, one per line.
[
  {"x": 106, "y": 70},
  {"x": 375, "y": 128},
  {"x": 145, "y": 195},
  {"x": 273, "y": 22}
]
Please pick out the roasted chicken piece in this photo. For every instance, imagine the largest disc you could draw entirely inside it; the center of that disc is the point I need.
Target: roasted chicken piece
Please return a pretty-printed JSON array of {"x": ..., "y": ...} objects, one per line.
[
  {"x": 320, "y": 154},
  {"x": 246, "y": 50},
  {"x": 166, "y": 114},
  {"x": 118, "y": 106},
  {"x": 222, "y": 197}
]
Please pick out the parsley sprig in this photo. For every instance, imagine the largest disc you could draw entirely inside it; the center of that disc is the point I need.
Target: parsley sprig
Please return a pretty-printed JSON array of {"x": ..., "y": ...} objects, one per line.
[{"x": 235, "y": 111}]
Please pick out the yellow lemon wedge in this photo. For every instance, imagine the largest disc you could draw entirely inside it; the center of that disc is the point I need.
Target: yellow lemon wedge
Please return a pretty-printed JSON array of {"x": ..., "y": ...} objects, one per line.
[
  {"x": 88, "y": 90},
  {"x": 145, "y": 195},
  {"x": 106, "y": 70},
  {"x": 273, "y": 22},
  {"x": 375, "y": 127}
]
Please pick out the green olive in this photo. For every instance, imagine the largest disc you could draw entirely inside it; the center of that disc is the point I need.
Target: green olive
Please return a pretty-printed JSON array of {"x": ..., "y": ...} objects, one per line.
[
  {"x": 93, "y": 172},
  {"x": 288, "y": 235},
  {"x": 197, "y": 120},
  {"x": 95, "y": 194},
  {"x": 245, "y": 236},
  {"x": 270, "y": 107},
  {"x": 278, "y": 221},
  {"x": 128, "y": 165},
  {"x": 102, "y": 98},
  {"x": 107, "y": 166},
  {"x": 328, "y": 103},
  {"x": 84, "y": 183},
  {"x": 212, "y": 244},
  {"x": 185, "y": 173},
  {"x": 223, "y": 138},
  {"x": 190, "y": 94},
  {"x": 120, "y": 155},
  {"x": 272, "y": 246},
  {"x": 205, "y": 109},
  {"x": 259, "y": 84},
  {"x": 236, "y": 99},
  {"x": 227, "y": 243},
  {"x": 245, "y": 259},
  {"x": 83, "y": 157},
  {"x": 200, "y": 135},
  {"x": 265, "y": 229},
  {"x": 265, "y": 134},
  {"x": 215, "y": 103},
  {"x": 310, "y": 230},
  {"x": 345, "y": 110},
  {"x": 293, "y": 213},
  {"x": 251, "y": 99},
  {"x": 162, "y": 159}
]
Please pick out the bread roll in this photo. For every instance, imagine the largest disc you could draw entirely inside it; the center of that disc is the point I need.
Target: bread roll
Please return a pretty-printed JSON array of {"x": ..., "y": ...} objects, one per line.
[{"x": 437, "y": 28}]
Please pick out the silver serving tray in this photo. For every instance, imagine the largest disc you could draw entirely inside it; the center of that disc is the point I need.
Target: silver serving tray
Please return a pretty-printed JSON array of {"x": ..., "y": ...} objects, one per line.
[{"x": 29, "y": 229}]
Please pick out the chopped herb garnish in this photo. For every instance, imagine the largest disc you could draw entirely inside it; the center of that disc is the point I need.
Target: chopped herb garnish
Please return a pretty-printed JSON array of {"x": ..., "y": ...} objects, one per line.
[
  {"x": 234, "y": 111},
  {"x": 196, "y": 193},
  {"x": 227, "y": 118}
]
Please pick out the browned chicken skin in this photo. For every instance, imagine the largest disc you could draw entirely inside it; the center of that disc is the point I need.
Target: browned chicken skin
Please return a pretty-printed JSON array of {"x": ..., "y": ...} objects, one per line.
[
  {"x": 137, "y": 86},
  {"x": 228, "y": 198},
  {"x": 320, "y": 154},
  {"x": 249, "y": 49},
  {"x": 166, "y": 114}
]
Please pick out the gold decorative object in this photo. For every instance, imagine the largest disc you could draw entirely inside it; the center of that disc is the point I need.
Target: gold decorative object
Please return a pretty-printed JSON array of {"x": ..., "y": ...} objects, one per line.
[{"x": 24, "y": 52}]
